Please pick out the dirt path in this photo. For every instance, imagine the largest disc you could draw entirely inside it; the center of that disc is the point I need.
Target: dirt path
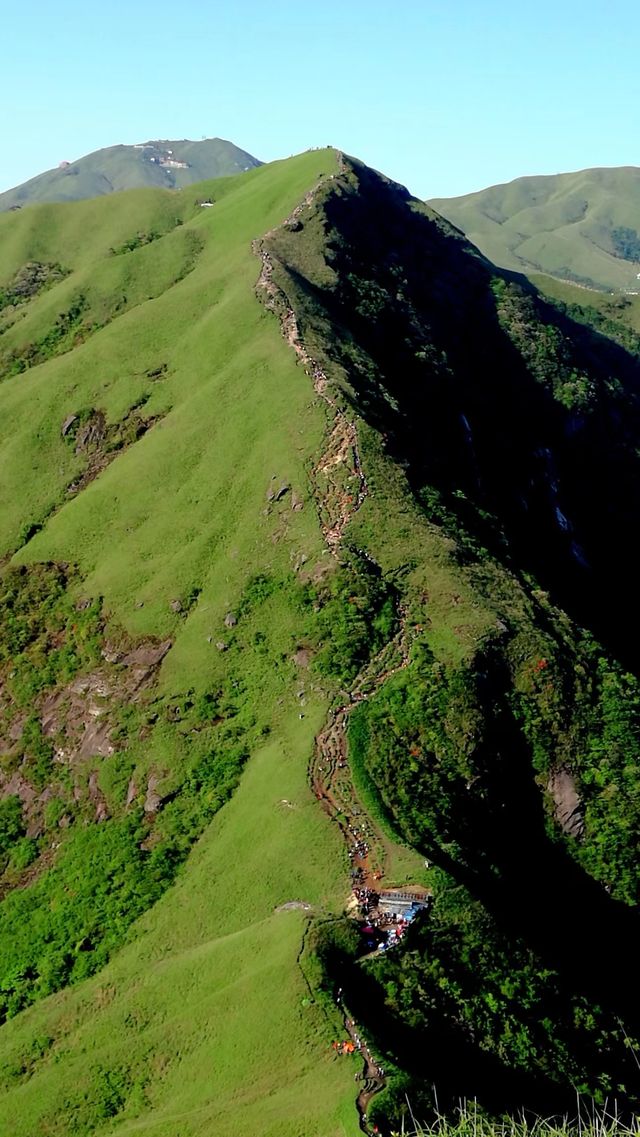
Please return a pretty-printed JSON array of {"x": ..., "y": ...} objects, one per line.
[
  {"x": 329, "y": 770},
  {"x": 332, "y": 784},
  {"x": 340, "y": 481},
  {"x": 372, "y": 1077},
  {"x": 341, "y": 489}
]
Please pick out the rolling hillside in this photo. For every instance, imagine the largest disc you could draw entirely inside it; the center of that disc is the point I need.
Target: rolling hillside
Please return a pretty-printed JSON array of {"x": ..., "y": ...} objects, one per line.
[
  {"x": 318, "y": 562},
  {"x": 582, "y": 227},
  {"x": 160, "y": 164}
]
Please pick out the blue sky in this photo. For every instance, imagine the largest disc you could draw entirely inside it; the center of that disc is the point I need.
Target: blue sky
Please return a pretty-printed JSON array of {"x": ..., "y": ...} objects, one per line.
[{"x": 446, "y": 96}]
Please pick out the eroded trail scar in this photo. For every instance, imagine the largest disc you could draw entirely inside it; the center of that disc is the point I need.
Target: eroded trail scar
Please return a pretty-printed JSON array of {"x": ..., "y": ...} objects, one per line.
[
  {"x": 340, "y": 482},
  {"x": 341, "y": 489},
  {"x": 330, "y": 774}
]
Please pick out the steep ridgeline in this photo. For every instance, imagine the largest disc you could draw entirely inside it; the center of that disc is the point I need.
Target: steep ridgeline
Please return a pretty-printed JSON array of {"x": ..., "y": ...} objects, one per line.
[
  {"x": 296, "y": 467},
  {"x": 509, "y": 414},
  {"x": 507, "y": 750},
  {"x": 160, "y": 164},
  {"x": 582, "y": 226}
]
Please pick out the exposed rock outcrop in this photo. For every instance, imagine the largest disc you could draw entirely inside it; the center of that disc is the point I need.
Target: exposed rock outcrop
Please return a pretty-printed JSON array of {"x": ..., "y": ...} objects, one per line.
[{"x": 568, "y": 808}]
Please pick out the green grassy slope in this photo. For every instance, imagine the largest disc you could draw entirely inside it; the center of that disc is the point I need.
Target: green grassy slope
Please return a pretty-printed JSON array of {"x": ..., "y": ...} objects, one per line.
[
  {"x": 130, "y": 167},
  {"x": 206, "y": 1023},
  {"x": 492, "y": 467},
  {"x": 579, "y": 226},
  {"x": 210, "y": 376}
]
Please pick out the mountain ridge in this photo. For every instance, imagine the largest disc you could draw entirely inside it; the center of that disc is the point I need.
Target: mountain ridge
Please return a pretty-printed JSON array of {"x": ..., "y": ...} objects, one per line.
[
  {"x": 299, "y": 510},
  {"x": 580, "y": 226},
  {"x": 163, "y": 163}
]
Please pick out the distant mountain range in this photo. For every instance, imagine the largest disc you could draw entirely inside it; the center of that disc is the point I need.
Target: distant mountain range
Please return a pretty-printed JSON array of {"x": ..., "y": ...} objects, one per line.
[
  {"x": 163, "y": 164},
  {"x": 583, "y": 227}
]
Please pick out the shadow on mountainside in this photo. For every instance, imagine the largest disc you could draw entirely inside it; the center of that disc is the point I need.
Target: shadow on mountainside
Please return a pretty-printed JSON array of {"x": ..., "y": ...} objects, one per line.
[
  {"x": 517, "y": 914},
  {"x": 526, "y": 423},
  {"x": 521, "y": 428}
]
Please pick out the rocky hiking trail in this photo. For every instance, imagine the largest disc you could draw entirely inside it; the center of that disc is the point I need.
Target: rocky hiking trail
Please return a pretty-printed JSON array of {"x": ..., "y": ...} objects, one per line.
[
  {"x": 341, "y": 488},
  {"x": 332, "y": 783},
  {"x": 337, "y": 503}
]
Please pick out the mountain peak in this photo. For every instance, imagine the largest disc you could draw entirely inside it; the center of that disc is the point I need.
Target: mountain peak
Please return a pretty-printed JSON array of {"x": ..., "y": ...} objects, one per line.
[{"x": 159, "y": 163}]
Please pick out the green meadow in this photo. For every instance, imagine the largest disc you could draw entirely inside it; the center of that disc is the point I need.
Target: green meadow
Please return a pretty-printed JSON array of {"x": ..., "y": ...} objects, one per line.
[{"x": 204, "y": 1021}]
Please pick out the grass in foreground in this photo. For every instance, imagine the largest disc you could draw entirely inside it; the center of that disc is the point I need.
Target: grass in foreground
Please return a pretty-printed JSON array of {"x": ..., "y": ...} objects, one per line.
[{"x": 468, "y": 1123}]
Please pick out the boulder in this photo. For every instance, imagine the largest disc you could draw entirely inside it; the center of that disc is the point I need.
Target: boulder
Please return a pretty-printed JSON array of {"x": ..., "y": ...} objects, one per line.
[
  {"x": 91, "y": 432},
  {"x": 568, "y": 807},
  {"x": 153, "y": 799}
]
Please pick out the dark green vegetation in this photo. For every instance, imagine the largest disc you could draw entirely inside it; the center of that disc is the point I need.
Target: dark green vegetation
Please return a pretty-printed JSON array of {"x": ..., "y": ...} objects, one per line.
[
  {"x": 468, "y": 375},
  {"x": 617, "y": 317},
  {"x": 160, "y": 164},
  {"x": 175, "y": 630},
  {"x": 356, "y": 617},
  {"x": 580, "y": 227},
  {"x": 30, "y": 279},
  {"x": 626, "y": 243},
  {"x": 509, "y": 757},
  {"x": 62, "y": 927}
]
